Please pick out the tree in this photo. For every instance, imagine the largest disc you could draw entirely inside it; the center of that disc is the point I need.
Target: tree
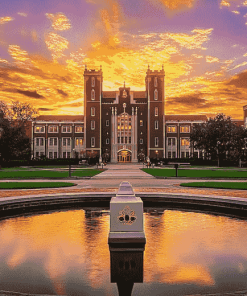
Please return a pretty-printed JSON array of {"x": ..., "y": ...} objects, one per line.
[
  {"x": 219, "y": 138},
  {"x": 14, "y": 141}
]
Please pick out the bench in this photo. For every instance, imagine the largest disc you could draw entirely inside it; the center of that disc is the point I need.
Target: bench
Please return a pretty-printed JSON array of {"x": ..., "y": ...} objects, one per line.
[
  {"x": 83, "y": 161},
  {"x": 177, "y": 164}
]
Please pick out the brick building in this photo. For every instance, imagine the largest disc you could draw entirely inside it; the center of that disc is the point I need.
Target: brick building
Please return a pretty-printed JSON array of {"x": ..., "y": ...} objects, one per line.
[{"x": 121, "y": 125}]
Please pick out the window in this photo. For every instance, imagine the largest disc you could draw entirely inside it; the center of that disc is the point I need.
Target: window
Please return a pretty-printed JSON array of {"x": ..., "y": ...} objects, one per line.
[
  {"x": 129, "y": 140},
  {"x": 39, "y": 142},
  {"x": 182, "y": 154},
  {"x": 173, "y": 154},
  {"x": 92, "y": 81},
  {"x": 156, "y": 142},
  {"x": 187, "y": 154},
  {"x": 107, "y": 141},
  {"x": 92, "y": 95},
  {"x": 171, "y": 141},
  {"x": 66, "y": 141},
  {"x": 78, "y": 141},
  {"x": 52, "y": 141},
  {"x": 107, "y": 122},
  {"x": 92, "y": 124},
  {"x": 66, "y": 154},
  {"x": 156, "y": 111},
  {"x": 156, "y": 124},
  {"x": 141, "y": 141},
  {"x": 156, "y": 95},
  {"x": 185, "y": 142},
  {"x": 185, "y": 129},
  {"x": 66, "y": 129},
  {"x": 141, "y": 122},
  {"x": 92, "y": 111},
  {"x": 171, "y": 129},
  {"x": 39, "y": 129},
  {"x": 155, "y": 81},
  {"x": 169, "y": 154},
  {"x": 53, "y": 129},
  {"x": 55, "y": 154},
  {"x": 93, "y": 142},
  {"x": 50, "y": 155},
  {"x": 79, "y": 129}
]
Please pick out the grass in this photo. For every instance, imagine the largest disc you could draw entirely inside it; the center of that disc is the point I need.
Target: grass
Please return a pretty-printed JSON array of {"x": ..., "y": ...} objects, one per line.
[
  {"x": 198, "y": 173},
  {"x": 219, "y": 185},
  {"x": 48, "y": 174},
  {"x": 33, "y": 185}
]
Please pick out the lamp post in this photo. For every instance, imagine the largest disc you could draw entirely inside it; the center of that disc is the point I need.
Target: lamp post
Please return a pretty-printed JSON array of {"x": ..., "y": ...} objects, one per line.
[{"x": 218, "y": 143}]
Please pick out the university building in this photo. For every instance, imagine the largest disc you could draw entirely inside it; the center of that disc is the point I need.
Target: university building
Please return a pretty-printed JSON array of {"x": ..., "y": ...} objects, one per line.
[{"x": 120, "y": 126}]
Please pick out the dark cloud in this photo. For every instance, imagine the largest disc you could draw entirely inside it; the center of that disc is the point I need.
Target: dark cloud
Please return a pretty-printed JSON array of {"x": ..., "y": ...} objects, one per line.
[
  {"x": 64, "y": 94},
  {"x": 192, "y": 100},
  {"x": 239, "y": 80},
  {"x": 69, "y": 105},
  {"x": 45, "y": 109},
  {"x": 32, "y": 94}
]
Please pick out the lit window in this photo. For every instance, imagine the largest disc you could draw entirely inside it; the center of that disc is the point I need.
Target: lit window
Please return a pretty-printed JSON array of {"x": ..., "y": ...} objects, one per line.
[
  {"x": 185, "y": 142},
  {"x": 92, "y": 81},
  {"x": 107, "y": 122},
  {"x": 171, "y": 129},
  {"x": 39, "y": 129},
  {"x": 185, "y": 129},
  {"x": 155, "y": 81},
  {"x": 92, "y": 124},
  {"x": 107, "y": 141},
  {"x": 93, "y": 142},
  {"x": 79, "y": 129},
  {"x": 141, "y": 122},
  {"x": 66, "y": 129},
  {"x": 92, "y": 95},
  {"x": 156, "y": 111},
  {"x": 156, "y": 142},
  {"x": 79, "y": 141},
  {"x": 156, "y": 124},
  {"x": 156, "y": 95},
  {"x": 92, "y": 111},
  {"x": 53, "y": 129}
]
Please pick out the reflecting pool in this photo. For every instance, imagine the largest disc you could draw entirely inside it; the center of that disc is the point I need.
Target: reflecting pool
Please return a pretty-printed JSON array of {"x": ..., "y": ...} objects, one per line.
[{"x": 67, "y": 253}]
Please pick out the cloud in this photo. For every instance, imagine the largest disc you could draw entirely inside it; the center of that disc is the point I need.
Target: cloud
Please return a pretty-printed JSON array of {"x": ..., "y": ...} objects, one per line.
[
  {"x": 235, "y": 11},
  {"x": 45, "y": 109},
  {"x": 194, "y": 100},
  {"x": 22, "y": 14},
  {"x": 62, "y": 92},
  {"x": 176, "y": 4},
  {"x": 59, "y": 21},
  {"x": 56, "y": 44},
  {"x": 210, "y": 59},
  {"x": 240, "y": 65},
  {"x": 5, "y": 19},
  {"x": 32, "y": 94},
  {"x": 239, "y": 80}
]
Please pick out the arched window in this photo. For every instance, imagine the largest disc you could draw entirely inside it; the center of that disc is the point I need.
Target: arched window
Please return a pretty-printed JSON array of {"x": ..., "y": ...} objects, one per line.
[
  {"x": 92, "y": 81},
  {"x": 156, "y": 95},
  {"x": 93, "y": 95},
  {"x": 155, "y": 81}
]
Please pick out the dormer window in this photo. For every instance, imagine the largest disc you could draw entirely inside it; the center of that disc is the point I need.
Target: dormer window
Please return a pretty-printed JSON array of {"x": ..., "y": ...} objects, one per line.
[
  {"x": 93, "y": 95},
  {"x": 92, "y": 81},
  {"x": 156, "y": 95},
  {"x": 124, "y": 94},
  {"x": 155, "y": 81}
]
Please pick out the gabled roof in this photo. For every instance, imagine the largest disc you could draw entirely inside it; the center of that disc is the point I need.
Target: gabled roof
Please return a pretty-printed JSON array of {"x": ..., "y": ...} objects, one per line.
[
  {"x": 186, "y": 118},
  {"x": 60, "y": 118}
]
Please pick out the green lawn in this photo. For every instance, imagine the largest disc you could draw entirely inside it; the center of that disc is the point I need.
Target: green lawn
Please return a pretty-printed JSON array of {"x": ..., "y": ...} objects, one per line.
[
  {"x": 198, "y": 173},
  {"x": 33, "y": 185},
  {"x": 220, "y": 185},
  {"x": 48, "y": 174}
]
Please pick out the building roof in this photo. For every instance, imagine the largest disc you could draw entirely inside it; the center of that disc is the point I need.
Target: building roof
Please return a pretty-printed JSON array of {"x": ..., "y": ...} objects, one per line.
[
  {"x": 109, "y": 94},
  {"x": 238, "y": 122},
  {"x": 186, "y": 118},
  {"x": 60, "y": 118},
  {"x": 139, "y": 94}
]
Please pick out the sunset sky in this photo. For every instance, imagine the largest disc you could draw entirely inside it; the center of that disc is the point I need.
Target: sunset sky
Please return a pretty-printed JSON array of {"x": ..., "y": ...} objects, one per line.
[{"x": 44, "y": 46}]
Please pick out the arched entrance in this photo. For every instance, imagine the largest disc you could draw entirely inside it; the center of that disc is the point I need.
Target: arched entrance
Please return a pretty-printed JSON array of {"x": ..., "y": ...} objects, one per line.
[{"x": 124, "y": 156}]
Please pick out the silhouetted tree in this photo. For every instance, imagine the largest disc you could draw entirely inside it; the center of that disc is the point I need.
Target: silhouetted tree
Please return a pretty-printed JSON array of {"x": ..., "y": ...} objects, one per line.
[{"x": 219, "y": 137}]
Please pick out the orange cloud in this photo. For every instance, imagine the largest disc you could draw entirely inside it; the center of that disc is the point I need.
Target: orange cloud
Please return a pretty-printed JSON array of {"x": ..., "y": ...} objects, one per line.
[
  {"x": 59, "y": 21},
  {"x": 5, "y": 19},
  {"x": 176, "y": 4},
  {"x": 210, "y": 59},
  {"x": 56, "y": 44}
]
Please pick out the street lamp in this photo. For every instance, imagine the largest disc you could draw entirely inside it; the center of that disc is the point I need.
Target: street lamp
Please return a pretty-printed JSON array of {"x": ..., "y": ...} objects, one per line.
[{"x": 218, "y": 143}]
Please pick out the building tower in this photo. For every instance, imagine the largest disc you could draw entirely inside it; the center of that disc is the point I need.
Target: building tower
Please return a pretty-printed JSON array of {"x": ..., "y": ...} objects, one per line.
[
  {"x": 155, "y": 88},
  {"x": 93, "y": 81}
]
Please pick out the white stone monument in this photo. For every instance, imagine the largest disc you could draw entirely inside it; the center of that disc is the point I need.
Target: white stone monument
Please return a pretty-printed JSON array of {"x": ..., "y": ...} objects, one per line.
[{"x": 126, "y": 220}]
